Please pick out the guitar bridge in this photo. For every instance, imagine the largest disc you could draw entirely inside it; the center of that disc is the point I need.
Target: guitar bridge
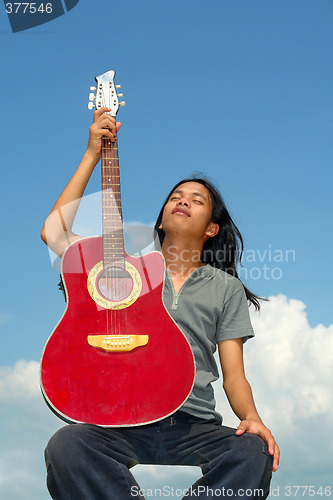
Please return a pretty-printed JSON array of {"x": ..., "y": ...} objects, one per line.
[{"x": 117, "y": 343}]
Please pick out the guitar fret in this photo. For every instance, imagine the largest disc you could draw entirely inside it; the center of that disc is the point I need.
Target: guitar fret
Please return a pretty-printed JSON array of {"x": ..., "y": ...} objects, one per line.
[{"x": 110, "y": 238}]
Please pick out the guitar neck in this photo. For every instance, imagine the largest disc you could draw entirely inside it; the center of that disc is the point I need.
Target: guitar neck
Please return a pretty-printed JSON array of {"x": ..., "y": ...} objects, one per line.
[{"x": 113, "y": 238}]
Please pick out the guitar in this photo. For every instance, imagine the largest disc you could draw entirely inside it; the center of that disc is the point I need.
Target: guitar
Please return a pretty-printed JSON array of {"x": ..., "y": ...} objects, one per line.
[{"x": 116, "y": 357}]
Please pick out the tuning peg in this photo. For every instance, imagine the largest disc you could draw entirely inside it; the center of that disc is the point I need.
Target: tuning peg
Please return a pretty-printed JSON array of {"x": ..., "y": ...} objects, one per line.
[
  {"x": 91, "y": 105},
  {"x": 91, "y": 96},
  {"x": 122, "y": 103},
  {"x": 120, "y": 95},
  {"x": 92, "y": 88},
  {"x": 118, "y": 86}
]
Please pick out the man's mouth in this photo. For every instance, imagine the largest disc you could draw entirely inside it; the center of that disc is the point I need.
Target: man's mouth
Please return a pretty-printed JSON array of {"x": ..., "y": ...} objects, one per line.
[{"x": 181, "y": 211}]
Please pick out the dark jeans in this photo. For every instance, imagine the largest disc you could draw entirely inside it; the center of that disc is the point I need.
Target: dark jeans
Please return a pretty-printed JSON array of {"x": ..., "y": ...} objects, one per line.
[{"x": 87, "y": 462}]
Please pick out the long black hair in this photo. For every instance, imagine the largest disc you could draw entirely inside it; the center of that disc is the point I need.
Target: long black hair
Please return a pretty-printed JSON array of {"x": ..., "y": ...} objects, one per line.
[{"x": 224, "y": 250}]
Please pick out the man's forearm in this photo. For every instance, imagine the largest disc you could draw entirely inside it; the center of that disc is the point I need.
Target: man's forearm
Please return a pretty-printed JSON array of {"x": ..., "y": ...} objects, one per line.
[{"x": 240, "y": 397}]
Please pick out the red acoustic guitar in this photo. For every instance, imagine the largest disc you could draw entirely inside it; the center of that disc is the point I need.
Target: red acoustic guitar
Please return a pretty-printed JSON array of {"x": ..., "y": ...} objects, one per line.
[{"x": 116, "y": 358}]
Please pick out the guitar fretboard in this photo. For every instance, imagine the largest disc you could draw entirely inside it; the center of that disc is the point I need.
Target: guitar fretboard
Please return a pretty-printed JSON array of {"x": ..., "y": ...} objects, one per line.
[{"x": 113, "y": 238}]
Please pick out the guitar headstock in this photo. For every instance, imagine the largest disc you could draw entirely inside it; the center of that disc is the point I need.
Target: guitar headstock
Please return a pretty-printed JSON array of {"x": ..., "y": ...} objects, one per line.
[{"x": 106, "y": 94}]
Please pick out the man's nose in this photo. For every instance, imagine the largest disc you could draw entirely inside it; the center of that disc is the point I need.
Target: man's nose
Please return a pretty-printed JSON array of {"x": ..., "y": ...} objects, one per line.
[{"x": 184, "y": 201}]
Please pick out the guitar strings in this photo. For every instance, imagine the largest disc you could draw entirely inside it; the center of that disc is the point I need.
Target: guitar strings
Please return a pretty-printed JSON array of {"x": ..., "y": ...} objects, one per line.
[{"x": 112, "y": 212}]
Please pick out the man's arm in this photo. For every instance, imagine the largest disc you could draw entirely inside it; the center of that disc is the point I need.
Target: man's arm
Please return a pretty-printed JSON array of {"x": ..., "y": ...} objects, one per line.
[
  {"x": 57, "y": 229},
  {"x": 239, "y": 394}
]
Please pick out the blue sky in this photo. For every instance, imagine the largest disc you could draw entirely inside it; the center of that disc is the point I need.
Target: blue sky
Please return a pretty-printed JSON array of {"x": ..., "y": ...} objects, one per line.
[{"x": 239, "y": 90}]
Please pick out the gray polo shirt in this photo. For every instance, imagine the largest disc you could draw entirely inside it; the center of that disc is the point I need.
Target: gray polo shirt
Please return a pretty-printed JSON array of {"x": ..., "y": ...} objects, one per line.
[{"x": 211, "y": 306}]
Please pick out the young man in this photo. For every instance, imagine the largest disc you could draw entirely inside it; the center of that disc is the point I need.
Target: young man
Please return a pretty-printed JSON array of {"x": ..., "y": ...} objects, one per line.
[{"x": 209, "y": 304}]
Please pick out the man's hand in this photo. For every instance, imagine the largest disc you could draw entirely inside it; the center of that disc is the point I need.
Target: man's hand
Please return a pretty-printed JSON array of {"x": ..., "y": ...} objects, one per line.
[
  {"x": 104, "y": 126},
  {"x": 259, "y": 429}
]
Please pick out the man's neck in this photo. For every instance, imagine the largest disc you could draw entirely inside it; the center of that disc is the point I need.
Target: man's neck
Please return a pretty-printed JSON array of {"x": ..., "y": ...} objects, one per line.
[{"x": 181, "y": 257}]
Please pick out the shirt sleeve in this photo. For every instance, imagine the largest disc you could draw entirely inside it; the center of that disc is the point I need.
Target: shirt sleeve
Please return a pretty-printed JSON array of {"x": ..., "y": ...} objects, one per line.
[{"x": 235, "y": 319}]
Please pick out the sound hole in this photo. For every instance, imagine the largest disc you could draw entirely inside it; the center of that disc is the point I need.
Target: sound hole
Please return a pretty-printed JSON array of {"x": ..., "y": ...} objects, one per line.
[{"x": 115, "y": 284}]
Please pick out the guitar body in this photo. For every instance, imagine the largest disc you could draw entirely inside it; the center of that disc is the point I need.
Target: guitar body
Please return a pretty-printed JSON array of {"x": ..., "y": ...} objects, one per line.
[{"x": 89, "y": 371}]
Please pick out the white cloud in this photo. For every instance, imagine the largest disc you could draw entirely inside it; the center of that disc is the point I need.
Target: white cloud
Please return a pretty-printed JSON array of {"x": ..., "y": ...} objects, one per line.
[
  {"x": 289, "y": 365},
  {"x": 291, "y": 361},
  {"x": 20, "y": 381},
  {"x": 26, "y": 425},
  {"x": 163, "y": 481}
]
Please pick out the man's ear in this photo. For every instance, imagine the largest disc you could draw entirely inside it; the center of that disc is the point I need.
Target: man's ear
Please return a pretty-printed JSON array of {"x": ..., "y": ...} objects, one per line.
[
  {"x": 160, "y": 226},
  {"x": 212, "y": 230}
]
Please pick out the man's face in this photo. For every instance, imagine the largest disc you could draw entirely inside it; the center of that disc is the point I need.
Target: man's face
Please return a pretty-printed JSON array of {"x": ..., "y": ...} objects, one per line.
[{"x": 188, "y": 211}]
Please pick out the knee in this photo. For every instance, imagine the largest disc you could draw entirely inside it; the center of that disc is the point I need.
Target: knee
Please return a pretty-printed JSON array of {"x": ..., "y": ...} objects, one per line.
[
  {"x": 255, "y": 450},
  {"x": 255, "y": 443},
  {"x": 65, "y": 445},
  {"x": 257, "y": 454}
]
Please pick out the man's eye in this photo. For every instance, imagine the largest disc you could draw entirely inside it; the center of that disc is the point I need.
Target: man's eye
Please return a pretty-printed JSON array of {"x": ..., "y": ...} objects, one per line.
[{"x": 198, "y": 202}]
